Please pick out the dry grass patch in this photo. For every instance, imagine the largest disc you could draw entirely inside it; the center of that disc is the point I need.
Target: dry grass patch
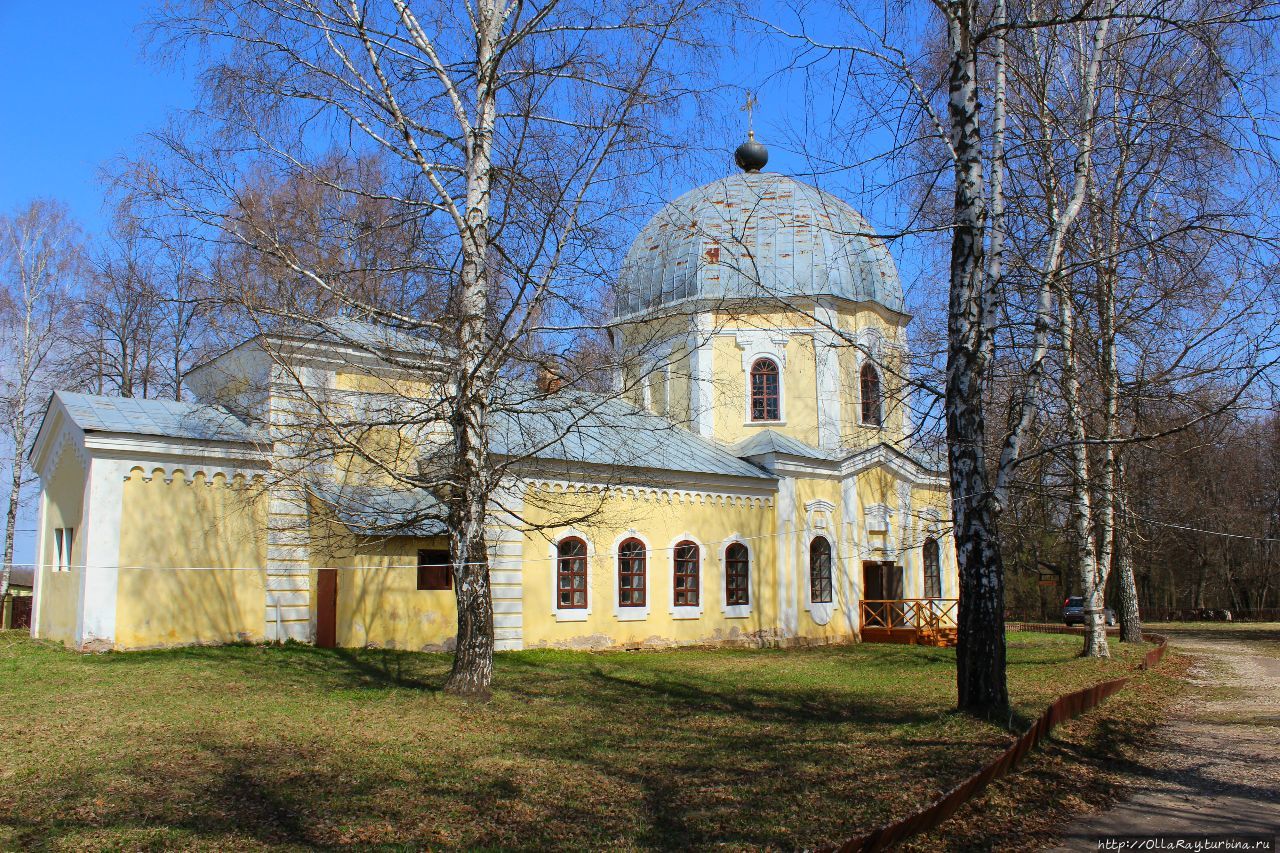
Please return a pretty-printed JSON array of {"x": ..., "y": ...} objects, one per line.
[{"x": 254, "y": 747}]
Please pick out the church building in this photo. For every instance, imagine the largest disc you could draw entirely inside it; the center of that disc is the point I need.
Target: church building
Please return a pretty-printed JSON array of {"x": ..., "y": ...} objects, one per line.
[{"x": 750, "y": 480}]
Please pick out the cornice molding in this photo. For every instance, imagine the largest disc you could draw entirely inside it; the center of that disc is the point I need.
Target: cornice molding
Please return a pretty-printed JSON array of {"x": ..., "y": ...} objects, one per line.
[{"x": 656, "y": 494}]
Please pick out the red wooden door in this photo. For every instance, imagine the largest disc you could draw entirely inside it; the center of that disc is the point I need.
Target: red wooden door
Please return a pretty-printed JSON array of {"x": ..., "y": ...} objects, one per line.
[
  {"x": 882, "y": 581},
  {"x": 327, "y": 608},
  {"x": 22, "y": 611}
]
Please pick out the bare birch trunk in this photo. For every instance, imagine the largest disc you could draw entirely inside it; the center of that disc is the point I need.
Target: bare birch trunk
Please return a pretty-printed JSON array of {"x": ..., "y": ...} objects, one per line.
[
  {"x": 1130, "y": 616},
  {"x": 11, "y": 516},
  {"x": 472, "y": 671},
  {"x": 1082, "y": 523},
  {"x": 980, "y": 655},
  {"x": 16, "y": 465}
]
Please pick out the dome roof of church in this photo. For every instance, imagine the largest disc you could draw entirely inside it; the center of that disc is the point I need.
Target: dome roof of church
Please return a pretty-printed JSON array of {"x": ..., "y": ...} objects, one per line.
[{"x": 756, "y": 235}]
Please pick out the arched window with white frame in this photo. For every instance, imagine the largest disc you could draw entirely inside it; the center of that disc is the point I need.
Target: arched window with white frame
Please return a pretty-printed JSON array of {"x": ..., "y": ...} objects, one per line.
[
  {"x": 686, "y": 580},
  {"x": 632, "y": 567},
  {"x": 820, "y": 570},
  {"x": 932, "y": 569},
  {"x": 872, "y": 402},
  {"x": 571, "y": 574},
  {"x": 737, "y": 575},
  {"x": 766, "y": 390}
]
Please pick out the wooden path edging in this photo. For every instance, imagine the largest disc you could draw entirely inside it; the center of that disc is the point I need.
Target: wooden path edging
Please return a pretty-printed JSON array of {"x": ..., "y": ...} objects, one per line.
[{"x": 1063, "y": 708}]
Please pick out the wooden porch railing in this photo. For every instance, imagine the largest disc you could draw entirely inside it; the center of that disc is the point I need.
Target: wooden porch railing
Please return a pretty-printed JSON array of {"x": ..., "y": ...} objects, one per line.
[{"x": 918, "y": 613}]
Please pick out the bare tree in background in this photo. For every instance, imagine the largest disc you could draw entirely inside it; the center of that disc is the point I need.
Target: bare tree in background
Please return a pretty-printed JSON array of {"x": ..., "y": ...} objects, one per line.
[
  {"x": 137, "y": 329},
  {"x": 40, "y": 257},
  {"x": 1165, "y": 285},
  {"x": 504, "y": 131}
]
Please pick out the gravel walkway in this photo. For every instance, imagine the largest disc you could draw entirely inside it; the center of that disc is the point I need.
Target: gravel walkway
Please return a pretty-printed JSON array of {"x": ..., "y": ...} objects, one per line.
[{"x": 1216, "y": 768}]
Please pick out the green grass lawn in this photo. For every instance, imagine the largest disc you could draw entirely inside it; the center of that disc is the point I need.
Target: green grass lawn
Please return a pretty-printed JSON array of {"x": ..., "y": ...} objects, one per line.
[{"x": 253, "y": 747}]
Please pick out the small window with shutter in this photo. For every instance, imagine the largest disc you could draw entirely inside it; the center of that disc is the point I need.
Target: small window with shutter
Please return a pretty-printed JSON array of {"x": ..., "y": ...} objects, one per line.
[{"x": 434, "y": 570}]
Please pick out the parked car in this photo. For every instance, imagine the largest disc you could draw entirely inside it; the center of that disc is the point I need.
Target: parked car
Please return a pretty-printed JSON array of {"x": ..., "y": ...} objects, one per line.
[{"x": 1073, "y": 611}]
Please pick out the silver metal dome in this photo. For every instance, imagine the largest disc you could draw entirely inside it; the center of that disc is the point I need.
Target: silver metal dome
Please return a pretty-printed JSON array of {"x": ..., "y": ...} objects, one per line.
[{"x": 756, "y": 235}]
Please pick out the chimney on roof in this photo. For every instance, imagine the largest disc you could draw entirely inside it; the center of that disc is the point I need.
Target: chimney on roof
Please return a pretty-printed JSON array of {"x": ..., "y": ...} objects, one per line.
[{"x": 549, "y": 381}]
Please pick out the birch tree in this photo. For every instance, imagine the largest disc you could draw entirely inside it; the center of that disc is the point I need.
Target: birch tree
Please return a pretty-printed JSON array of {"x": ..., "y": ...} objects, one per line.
[
  {"x": 994, "y": 126},
  {"x": 507, "y": 130},
  {"x": 40, "y": 257}
]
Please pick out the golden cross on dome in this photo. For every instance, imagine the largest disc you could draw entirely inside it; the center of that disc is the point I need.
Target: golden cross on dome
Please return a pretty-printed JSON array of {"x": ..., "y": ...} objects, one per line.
[{"x": 749, "y": 105}]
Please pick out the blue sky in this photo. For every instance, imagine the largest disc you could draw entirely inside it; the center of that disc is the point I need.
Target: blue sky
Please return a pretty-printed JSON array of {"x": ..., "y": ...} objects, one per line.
[{"x": 75, "y": 93}]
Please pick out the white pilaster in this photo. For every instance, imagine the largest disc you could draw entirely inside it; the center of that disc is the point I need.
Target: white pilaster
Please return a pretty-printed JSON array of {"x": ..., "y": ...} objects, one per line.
[
  {"x": 506, "y": 567},
  {"x": 702, "y": 379},
  {"x": 99, "y": 549},
  {"x": 826, "y": 351},
  {"x": 788, "y": 609},
  {"x": 852, "y": 549},
  {"x": 38, "y": 571},
  {"x": 288, "y": 592},
  {"x": 288, "y": 587}
]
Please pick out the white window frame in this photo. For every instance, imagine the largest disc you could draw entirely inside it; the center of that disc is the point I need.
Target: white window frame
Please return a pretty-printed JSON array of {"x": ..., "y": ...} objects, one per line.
[
  {"x": 629, "y": 613},
  {"x": 570, "y": 614},
  {"x": 820, "y": 611},
  {"x": 756, "y": 344},
  {"x": 687, "y": 611},
  {"x": 782, "y": 396},
  {"x": 737, "y": 611}
]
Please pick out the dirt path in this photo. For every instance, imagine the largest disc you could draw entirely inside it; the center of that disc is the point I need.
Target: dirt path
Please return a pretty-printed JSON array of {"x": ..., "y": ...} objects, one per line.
[{"x": 1216, "y": 768}]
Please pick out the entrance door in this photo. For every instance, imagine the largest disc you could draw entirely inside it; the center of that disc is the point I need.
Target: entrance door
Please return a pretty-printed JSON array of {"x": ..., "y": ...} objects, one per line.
[
  {"x": 327, "y": 608},
  {"x": 882, "y": 581},
  {"x": 21, "y": 613}
]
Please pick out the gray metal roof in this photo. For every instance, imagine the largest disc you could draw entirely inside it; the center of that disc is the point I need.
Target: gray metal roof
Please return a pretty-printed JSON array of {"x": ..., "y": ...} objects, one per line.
[
  {"x": 161, "y": 418},
  {"x": 383, "y": 510},
  {"x": 23, "y": 576},
  {"x": 370, "y": 336},
  {"x": 591, "y": 429},
  {"x": 756, "y": 235},
  {"x": 771, "y": 441}
]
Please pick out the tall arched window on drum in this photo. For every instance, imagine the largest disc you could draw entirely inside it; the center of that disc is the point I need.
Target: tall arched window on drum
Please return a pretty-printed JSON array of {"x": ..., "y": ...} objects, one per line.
[
  {"x": 872, "y": 405},
  {"x": 766, "y": 398}
]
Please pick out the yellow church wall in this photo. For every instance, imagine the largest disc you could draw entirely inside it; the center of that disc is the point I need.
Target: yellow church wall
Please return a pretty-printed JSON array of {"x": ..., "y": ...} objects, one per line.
[
  {"x": 660, "y": 523},
  {"x": 752, "y": 317},
  {"x": 193, "y": 559},
  {"x": 60, "y": 590},
  {"x": 383, "y": 452},
  {"x": 799, "y": 392},
  {"x": 347, "y": 380},
  {"x": 379, "y": 603}
]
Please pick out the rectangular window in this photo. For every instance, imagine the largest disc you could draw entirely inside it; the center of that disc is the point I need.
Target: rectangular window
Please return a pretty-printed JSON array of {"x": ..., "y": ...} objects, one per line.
[
  {"x": 434, "y": 570},
  {"x": 63, "y": 541}
]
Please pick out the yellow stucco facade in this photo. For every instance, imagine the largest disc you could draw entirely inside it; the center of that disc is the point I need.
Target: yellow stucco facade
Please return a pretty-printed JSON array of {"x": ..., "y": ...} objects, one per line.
[
  {"x": 192, "y": 560},
  {"x": 768, "y": 415},
  {"x": 198, "y": 550},
  {"x": 58, "y": 581}
]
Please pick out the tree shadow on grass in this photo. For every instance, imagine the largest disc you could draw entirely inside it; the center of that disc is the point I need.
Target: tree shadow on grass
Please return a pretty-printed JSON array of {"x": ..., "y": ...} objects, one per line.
[
  {"x": 768, "y": 752},
  {"x": 342, "y": 668},
  {"x": 238, "y": 798}
]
